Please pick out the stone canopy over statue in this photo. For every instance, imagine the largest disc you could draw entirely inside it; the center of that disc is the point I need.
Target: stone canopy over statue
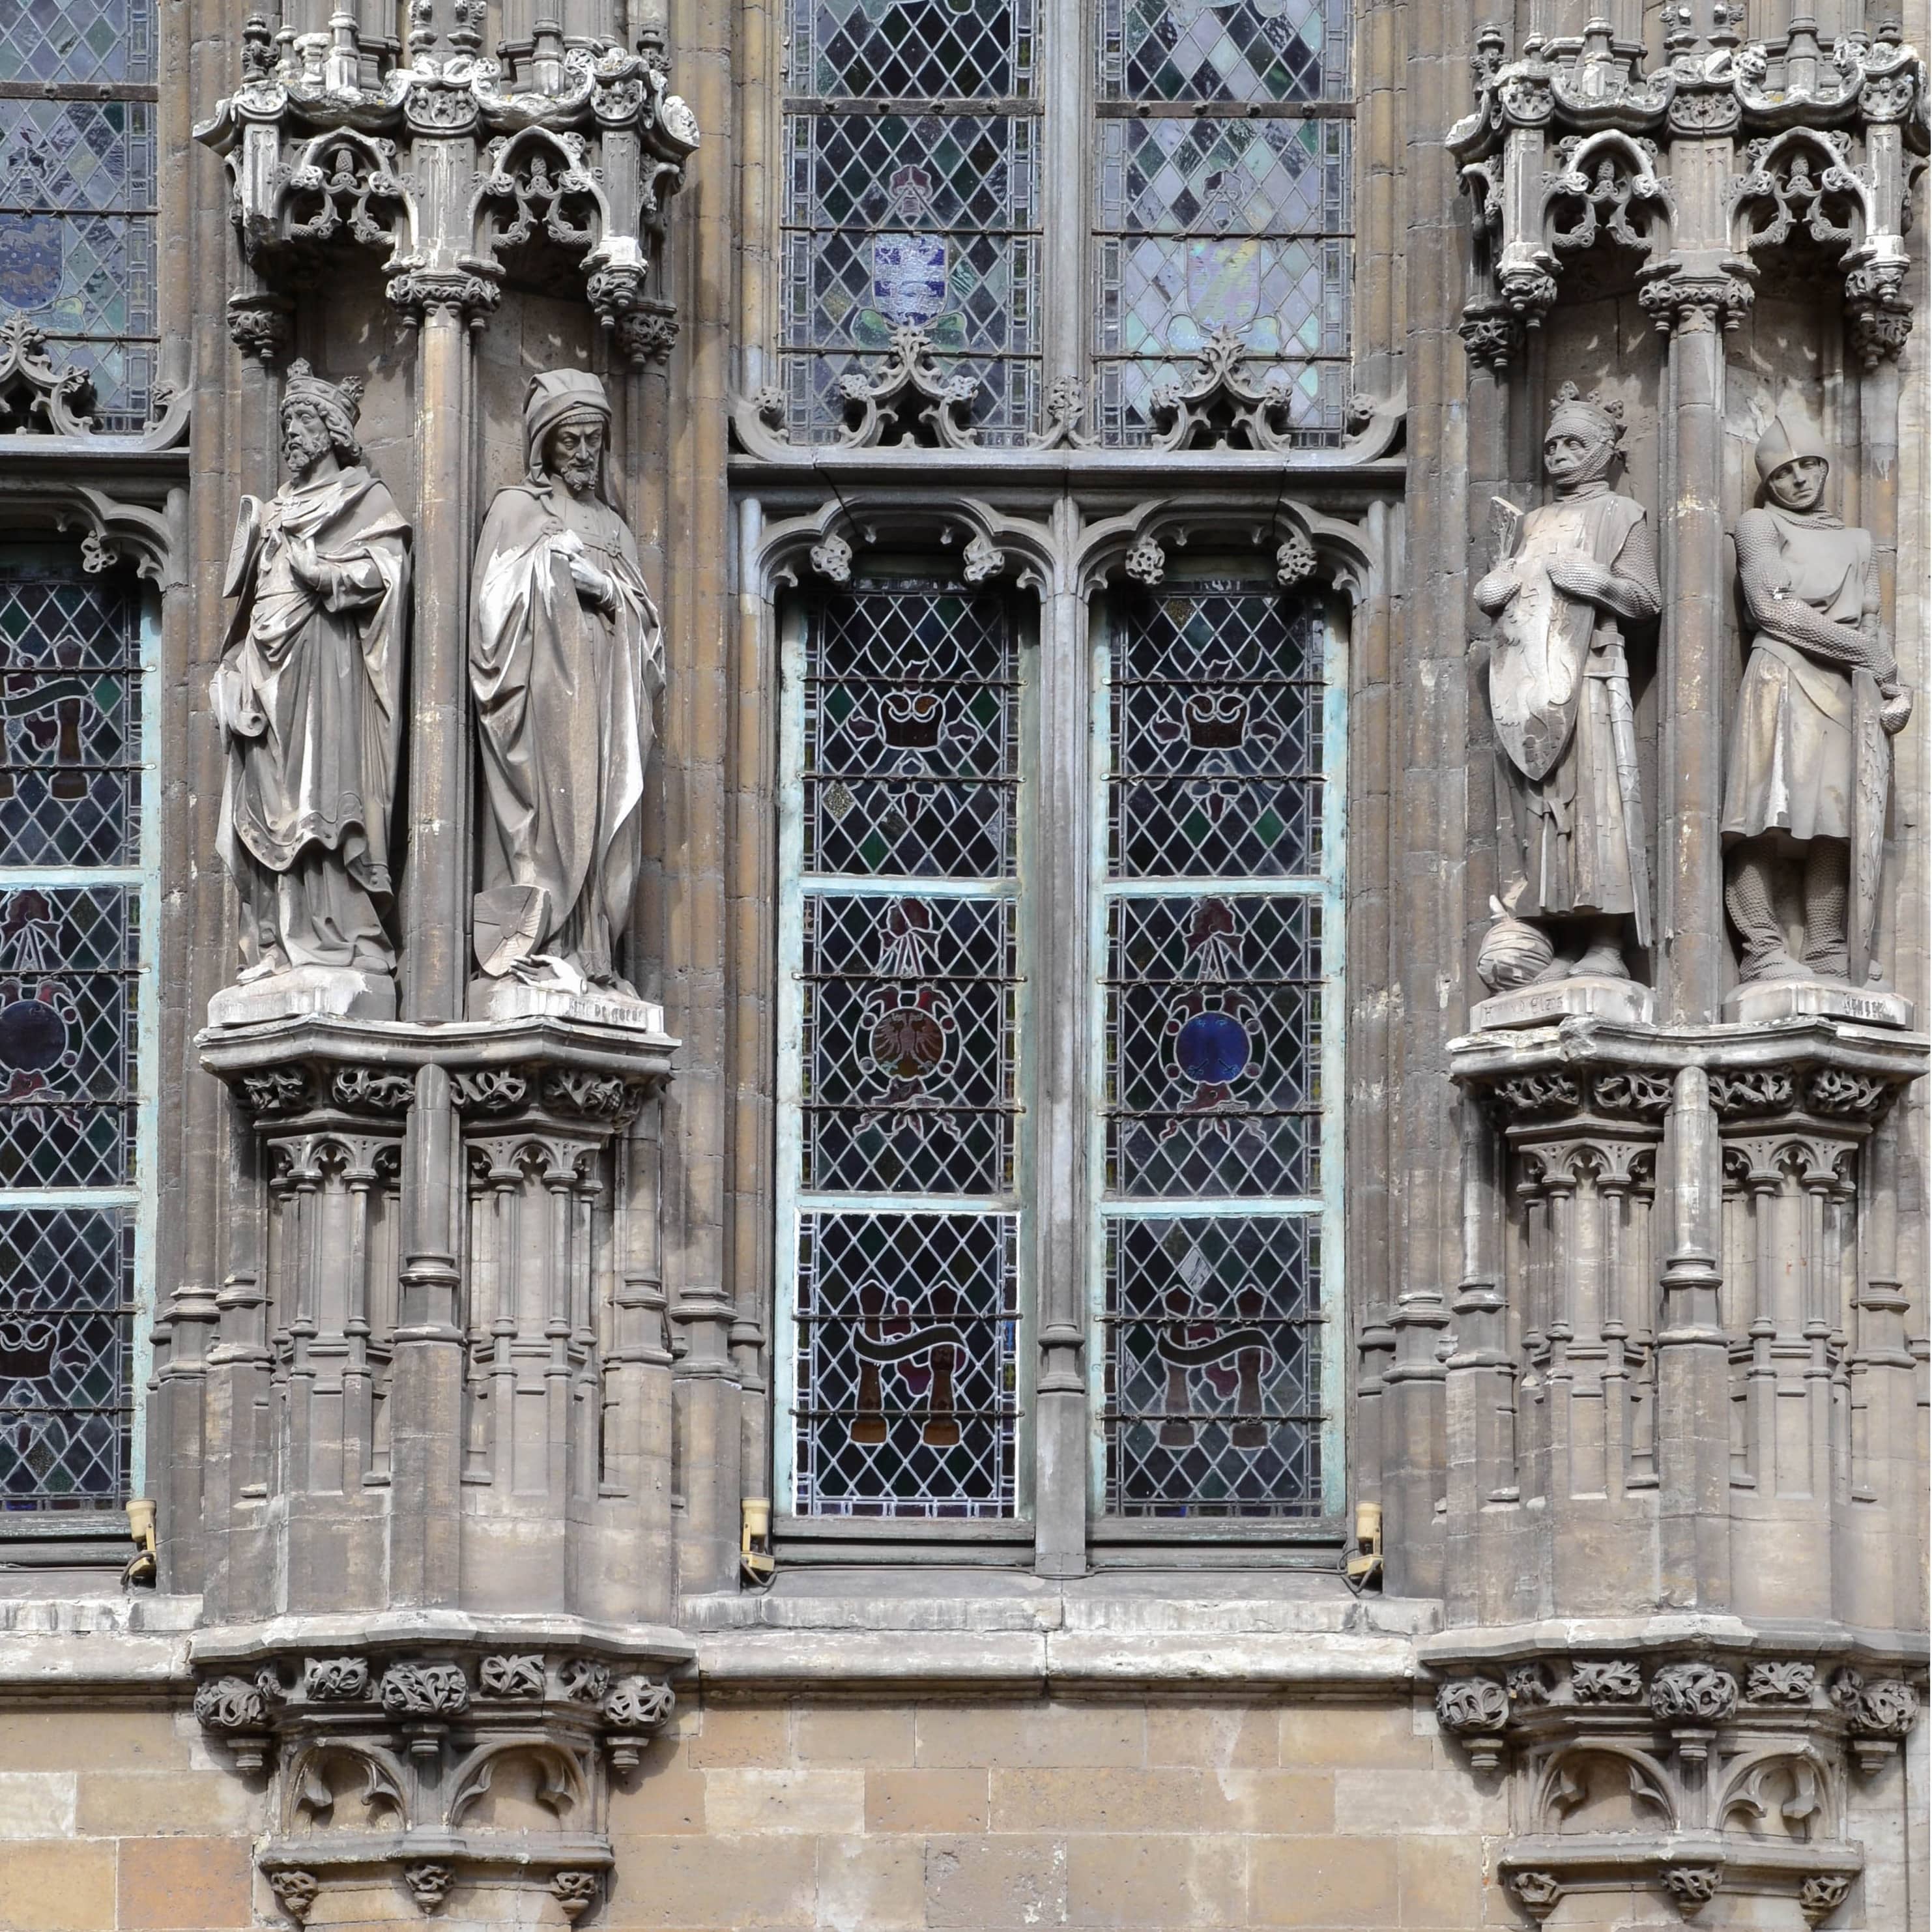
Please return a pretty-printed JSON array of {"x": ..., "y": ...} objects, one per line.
[
  {"x": 1569, "y": 576},
  {"x": 307, "y": 700},
  {"x": 564, "y": 656},
  {"x": 1810, "y": 764}
]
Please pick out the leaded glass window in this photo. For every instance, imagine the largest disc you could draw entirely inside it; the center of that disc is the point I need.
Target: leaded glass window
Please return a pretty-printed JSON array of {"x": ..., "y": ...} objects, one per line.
[
  {"x": 1221, "y": 200},
  {"x": 911, "y": 200},
  {"x": 77, "y": 189},
  {"x": 1218, "y": 870},
  {"x": 901, "y": 1126},
  {"x": 75, "y": 819}
]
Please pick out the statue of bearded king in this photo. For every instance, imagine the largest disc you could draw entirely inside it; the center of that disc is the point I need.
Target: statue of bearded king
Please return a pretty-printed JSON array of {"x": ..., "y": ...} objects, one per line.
[
  {"x": 306, "y": 699},
  {"x": 1569, "y": 576},
  {"x": 564, "y": 656}
]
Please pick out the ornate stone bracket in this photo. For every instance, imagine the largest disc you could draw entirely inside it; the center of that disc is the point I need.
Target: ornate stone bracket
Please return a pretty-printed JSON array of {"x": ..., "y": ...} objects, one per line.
[
  {"x": 1675, "y": 1764},
  {"x": 910, "y": 402},
  {"x": 577, "y": 158},
  {"x": 435, "y": 1753},
  {"x": 1226, "y": 404}
]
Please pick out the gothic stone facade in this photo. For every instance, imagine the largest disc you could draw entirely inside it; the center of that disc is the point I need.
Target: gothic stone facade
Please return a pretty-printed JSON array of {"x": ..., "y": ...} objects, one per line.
[{"x": 963, "y": 965}]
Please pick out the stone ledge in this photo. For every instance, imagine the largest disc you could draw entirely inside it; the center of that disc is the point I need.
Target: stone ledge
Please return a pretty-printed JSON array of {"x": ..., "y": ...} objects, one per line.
[
  {"x": 1690, "y": 1630},
  {"x": 385, "y": 1630}
]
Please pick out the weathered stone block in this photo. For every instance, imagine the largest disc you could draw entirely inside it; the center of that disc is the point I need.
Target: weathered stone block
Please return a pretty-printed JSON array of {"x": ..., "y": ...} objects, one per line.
[
  {"x": 1222, "y": 1737},
  {"x": 1106, "y": 1799},
  {"x": 731, "y": 1734},
  {"x": 725, "y": 1880},
  {"x": 1199, "y": 1879},
  {"x": 1021, "y": 1736},
  {"x": 1273, "y": 1803},
  {"x": 185, "y": 1885},
  {"x": 926, "y": 1800},
  {"x": 737, "y": 1800},
  {"x": 1324, "y": 1882},
  {"x": 1338, "y": 1735},
  {"x": 138, "y": 1803},
  {"x": 1396, "y": 1803},
  {"x": 853, "y": 1734},
  {"x": 980, "y": 1883},
  {"x": 47, "y": 1886},
  {"x": 37, "y": 1804},
  {"x": 876, "y": 1883}
]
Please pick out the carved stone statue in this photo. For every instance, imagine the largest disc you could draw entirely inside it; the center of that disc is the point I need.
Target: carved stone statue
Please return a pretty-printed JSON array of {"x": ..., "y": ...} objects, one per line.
[
  {"x": 307, "y": 700},
  {"x": 1811, "y": 749},
  {"x": 1569, "y": 576},
  {"x": 565, "y": 655}
]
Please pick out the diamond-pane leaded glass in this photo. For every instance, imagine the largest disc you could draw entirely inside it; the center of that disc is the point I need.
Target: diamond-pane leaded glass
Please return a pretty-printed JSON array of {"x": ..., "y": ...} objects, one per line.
[
  {"x": 912, "y": 50},
  {"x": 70, "y": 720},
  {"x": 905, "y": 1364},
  {"x": 912, "y": 219},
  {"x": 1213, "y": 1045},
  {"x": 67, "y": 1281},
  {"x": 77, "y": 40},
  {"x": 1213, "y": 1378},
  {"x": 77, "y": 187},
  {"x": 1206, "y": 223},
  {"x": 1239, "y": 51},
  {"x": 910, "y": 736},
  {"x": 1215, "y": 770},
  {"x": 1214, "y": 763},
  {"x": 908, "y": 1045},
  {"x": 69, "y": 958},
  {"x": 904, "y": 990}
]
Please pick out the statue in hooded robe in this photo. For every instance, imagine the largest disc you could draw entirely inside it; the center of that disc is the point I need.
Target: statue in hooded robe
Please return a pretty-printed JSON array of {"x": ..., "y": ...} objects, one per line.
[
  {"x": 1569, "y": 576},
  {"x": 306, "y": 699},
  {"x": 1810, "y": 762},
  {"x": 565, "y": 657}
]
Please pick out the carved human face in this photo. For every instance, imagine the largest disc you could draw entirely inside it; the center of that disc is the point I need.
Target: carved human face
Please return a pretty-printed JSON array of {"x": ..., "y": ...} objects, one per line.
[
  {"x": 1799, "y": 484},
  {"x": 1573, "y": 455},
  {"x": 305, "y": 438},
  {"x": 575, "y": 452}
]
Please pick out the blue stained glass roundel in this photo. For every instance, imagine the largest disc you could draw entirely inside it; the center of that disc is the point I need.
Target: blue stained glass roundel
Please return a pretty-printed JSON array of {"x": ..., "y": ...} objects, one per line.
[
  {"x": 33, "y": 1035},
  {"x": 1213, "y": 1048}
]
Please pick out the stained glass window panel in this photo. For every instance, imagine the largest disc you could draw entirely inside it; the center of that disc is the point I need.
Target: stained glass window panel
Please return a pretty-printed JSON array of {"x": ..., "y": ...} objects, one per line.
[
  {"x": 1218, "y": 892},
  {"x": 909, "y": 1019},
  {"x": 70, "y": 720},
  {"x": 77, "y": 40},
  {"x": 911, "y": 744},
  {"x": 1216, "y": 722},
  {"x": 1213, "y": 1377},
  {"x": 1234, "y": 217},
  {"x": 77, "y": 189},
  {"x": 905, "y": 1380},
  {"x": 911, "y": 219},
  {"x": 1213, "y": 1046},
  {"x": 69, "y": 963},
  {"x": 912, "y": 50},
  {"x": 1238, "y": 51},
  {"x": 67, "y": 1282}
]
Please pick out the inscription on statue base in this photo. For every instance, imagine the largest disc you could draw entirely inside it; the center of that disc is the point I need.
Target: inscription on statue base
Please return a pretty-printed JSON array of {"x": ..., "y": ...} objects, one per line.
[
  {"x": 1588, "y": 996},
  {"x": 513, "y": 1000},
  {"x": 1758, "y": 1001},
  {"x": 329, "y": 992}
]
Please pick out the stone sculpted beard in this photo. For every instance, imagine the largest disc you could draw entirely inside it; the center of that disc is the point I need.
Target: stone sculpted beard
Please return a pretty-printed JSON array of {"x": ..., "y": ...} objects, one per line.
[
  {"x": 304, "y": 443},
  {"x": 580, "y": 474}
]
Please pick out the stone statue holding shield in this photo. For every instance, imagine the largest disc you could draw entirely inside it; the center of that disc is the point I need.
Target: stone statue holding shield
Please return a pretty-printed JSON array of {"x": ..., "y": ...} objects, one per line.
[
  {"x": 1811, "y": 764},
  {"x": 564, "y": 657},
  {"x": 1569, "y": 576}
]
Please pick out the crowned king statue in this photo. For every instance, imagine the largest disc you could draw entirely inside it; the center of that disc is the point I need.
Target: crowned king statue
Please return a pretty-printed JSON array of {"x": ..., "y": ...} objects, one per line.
[{"x": 306, "y": 701}]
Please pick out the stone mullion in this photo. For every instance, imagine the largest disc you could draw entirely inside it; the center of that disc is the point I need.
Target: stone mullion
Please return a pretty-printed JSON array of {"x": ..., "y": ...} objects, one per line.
[
  {"x": 1692, "y": 1396},
  {"x": 1059, "y": 929},
  {"x": 563, "y": 1262},
  {"x": 1823, "y": 1287},
  {"x": 1479, "y": 1389},
  {"x": 357, "y": 1423}
]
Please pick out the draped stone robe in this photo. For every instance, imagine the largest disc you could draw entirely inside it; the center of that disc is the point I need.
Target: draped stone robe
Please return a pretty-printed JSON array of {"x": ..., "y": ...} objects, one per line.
[
  {"x": 308, "y": 700},
  {"x": 562, "y": 694}
]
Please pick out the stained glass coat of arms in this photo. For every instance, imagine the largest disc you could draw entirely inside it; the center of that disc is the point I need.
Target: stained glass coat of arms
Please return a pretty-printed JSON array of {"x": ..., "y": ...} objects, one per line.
[
  {"x": 1213, "y": 1148},
  {"x": 926, "y": 215},
  {"x": 899, "y": 1088}
]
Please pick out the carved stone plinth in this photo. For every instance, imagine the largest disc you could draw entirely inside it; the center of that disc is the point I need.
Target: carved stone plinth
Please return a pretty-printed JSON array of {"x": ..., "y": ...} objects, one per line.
[
  {"x": 1691, "y": 1762},
  {"x": 1764, "y": 1002},
  {"x": 450, "y": 1761},
  {"x": 320, "y": 992},
  {"x": 512, "y": 999},
  {"x": 1586, "y": 996}
]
